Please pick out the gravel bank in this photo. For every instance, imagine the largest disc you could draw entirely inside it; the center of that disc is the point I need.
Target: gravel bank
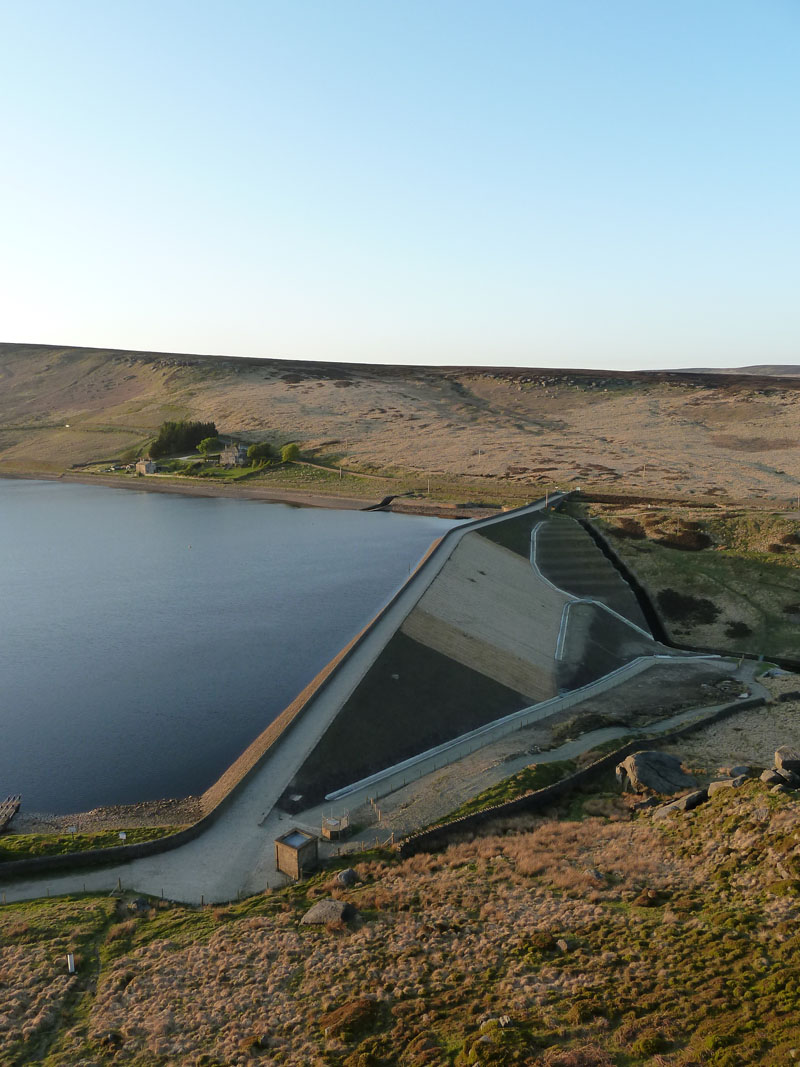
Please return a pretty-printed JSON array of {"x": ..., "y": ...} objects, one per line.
[{"x": 171, "y": 812}]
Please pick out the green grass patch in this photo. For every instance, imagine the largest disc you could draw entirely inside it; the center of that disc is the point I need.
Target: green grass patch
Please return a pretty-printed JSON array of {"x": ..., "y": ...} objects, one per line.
[
  {"x": 23, "y": 846},
  {"x": 301, "y": 476},
  {"x": 528, "y": 780},
  {"x": 762, "y": 668},
  {"x": 68, "y": 921},
  {"x": 225, "y": 474}
]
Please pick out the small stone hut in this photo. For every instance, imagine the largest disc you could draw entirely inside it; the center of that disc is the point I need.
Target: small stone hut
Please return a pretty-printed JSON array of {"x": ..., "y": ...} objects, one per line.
[
  {"x": 334, "y": 828},
  {"x": 296, "y": 853}
]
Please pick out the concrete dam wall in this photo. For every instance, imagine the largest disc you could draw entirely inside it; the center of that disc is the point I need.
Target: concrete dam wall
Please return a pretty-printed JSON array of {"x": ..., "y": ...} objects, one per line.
[{"x": 492, "y": 633}]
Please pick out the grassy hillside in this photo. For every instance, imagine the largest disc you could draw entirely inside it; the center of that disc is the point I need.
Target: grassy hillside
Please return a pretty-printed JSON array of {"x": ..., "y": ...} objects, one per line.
[
  {"x": 593, "y": 939},
  {"x": 493, "y": 434},
  {"x": 727, "y": 579}
]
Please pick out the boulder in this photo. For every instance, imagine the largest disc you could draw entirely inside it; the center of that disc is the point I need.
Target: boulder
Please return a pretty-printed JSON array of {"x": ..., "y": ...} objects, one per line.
[
  {"x": 771, "y": 777},
  {"x": 328, "y": 911},
  {"x": 739, "y": 770},
  {"x": 726, "y": 783},
  {"x": 654, "y": 771},
  {"x": 684, "y": 803},
  {"x": 347, "y": 877},
  {"x": 787, "y": 759},
  {"x": 789, "y": 778}
]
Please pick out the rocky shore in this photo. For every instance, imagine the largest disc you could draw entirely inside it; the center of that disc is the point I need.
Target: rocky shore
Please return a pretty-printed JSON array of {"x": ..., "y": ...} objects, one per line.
[{"x": 180, "y": 811}]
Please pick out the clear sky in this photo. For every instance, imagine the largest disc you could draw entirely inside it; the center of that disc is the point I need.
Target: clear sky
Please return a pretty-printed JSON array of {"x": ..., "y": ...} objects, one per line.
[{"x": 597, "y": 183}]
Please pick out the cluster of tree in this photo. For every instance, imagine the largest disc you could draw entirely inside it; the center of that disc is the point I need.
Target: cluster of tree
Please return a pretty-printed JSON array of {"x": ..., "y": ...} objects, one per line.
[
  {"x": 180, "y": 436},
  {"x": 208, "y": 445},
  {"x": 265, "y": 453}
]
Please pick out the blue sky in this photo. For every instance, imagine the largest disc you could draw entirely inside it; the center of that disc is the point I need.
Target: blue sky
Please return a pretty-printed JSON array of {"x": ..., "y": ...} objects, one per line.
[{"x": 596, "y": 183}]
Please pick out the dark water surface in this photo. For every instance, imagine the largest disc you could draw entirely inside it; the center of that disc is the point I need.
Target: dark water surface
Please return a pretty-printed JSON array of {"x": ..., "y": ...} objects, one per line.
[{"x": 146, "y": 638}]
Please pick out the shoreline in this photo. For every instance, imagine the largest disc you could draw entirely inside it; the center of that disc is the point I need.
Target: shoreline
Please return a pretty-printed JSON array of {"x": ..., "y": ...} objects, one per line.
[
  {"x": 170, "y": 811},
  {"x": 299, "y": 498}
]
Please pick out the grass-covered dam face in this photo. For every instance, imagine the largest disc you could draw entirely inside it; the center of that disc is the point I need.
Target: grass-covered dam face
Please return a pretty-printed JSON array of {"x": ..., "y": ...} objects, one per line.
[{"x": 522, "y": 610}]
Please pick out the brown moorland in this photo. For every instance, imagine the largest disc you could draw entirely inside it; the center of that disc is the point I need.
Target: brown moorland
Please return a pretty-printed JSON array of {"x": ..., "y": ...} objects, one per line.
[
  {"x": 587, "y": 938},
  {"x": 727, "y": 579},
  {"x": 502, "y": 434}
]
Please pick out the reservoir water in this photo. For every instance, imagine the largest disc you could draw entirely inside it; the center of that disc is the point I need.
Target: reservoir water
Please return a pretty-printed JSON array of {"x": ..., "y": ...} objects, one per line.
[{"x": 147, "y": 638}]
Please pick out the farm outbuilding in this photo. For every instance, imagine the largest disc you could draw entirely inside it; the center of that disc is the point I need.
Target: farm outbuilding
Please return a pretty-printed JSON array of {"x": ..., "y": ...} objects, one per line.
[{"x": 234, "y": 456}]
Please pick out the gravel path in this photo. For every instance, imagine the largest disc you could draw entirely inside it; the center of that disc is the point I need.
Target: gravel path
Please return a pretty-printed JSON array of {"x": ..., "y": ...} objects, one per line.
[{"x": 748, "y": 738}]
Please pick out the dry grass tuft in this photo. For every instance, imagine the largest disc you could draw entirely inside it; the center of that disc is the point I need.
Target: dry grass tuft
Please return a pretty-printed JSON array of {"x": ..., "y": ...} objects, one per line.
[
  {"x": 585, "y": 1056},
  {"x": 121, "y": 930}
]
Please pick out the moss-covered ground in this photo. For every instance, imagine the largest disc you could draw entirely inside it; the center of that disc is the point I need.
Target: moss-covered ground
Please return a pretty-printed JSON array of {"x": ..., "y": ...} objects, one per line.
[
  {"x": 529, "y": 779},
  {"x": 570, "y": 941}
]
